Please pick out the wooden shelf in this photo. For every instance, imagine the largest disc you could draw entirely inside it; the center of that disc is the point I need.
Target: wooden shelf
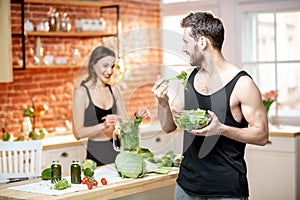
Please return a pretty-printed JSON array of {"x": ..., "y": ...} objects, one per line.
[
  {"x": 52, "y": 66},
  {"x": 71, "y": 3},
  {"x": 71, "y": 34},
  {"x": 43, "y": 66}
]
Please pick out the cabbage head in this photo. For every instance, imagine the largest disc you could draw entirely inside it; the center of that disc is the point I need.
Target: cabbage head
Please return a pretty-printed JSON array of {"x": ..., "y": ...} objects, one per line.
[
  {"x": 88, "y": 163},
  {"x": 130, "y": 165}
]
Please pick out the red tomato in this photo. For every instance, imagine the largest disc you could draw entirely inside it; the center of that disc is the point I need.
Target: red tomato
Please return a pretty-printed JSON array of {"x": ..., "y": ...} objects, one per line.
[
  {"x": 84, "y": 180},
  {"x": 90, "y": 186},
  {"x": 95, "y": 183},
  {"x": 103, "y": 181}
]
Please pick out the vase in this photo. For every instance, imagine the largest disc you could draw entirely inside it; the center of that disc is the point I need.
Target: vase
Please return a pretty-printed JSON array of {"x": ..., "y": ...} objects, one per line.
[{"x": 27, "y": 126}]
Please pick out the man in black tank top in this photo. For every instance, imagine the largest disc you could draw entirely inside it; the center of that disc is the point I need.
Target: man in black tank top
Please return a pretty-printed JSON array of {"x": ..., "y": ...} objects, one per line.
[{"x": 213, "y": 166}]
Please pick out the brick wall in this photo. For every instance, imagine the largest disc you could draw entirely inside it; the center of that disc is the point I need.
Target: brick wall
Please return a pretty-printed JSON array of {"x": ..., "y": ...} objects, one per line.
[{"x": 54, "y": 86}]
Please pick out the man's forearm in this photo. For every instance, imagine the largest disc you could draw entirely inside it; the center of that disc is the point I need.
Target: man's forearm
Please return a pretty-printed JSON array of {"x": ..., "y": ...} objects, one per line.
[{"x": 165, "y": 118}]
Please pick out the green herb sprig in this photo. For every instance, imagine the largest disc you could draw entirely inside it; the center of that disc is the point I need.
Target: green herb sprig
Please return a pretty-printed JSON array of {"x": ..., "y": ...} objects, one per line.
[
  {"x": 61, "y": 185},
  {"x": 182, "y": 76}
]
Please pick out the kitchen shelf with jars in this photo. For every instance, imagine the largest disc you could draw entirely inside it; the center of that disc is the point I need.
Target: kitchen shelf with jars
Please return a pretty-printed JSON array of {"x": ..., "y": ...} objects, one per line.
[{"x": 58, "y": 26}]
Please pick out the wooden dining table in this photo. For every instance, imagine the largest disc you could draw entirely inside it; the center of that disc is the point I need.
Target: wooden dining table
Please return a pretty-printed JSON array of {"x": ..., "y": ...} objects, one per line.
[{"x": 116, "y": 190}]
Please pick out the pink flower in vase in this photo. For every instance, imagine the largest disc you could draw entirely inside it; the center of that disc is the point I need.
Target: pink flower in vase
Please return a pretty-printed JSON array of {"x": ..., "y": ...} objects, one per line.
[{"x": 268, "y": 98}]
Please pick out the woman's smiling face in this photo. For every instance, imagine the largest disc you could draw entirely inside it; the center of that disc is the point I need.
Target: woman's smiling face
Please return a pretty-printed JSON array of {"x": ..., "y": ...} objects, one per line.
[{"x": 104, "y": 68}]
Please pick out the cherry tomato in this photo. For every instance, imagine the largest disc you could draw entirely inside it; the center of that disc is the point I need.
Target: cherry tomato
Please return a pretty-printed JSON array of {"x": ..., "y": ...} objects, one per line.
[
  {"x": 90, "y": 186},
  {"x": 103, "y": 181},
  {"x": 84, "y": 180},
  {"x": 90, "y": 180},
  {"x": 95, "y": 183}
]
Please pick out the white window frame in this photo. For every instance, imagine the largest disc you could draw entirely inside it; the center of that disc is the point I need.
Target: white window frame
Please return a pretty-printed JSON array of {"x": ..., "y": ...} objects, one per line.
[
  {"x": 231, "y": 13},
  {"x": 266, "y": 6}
]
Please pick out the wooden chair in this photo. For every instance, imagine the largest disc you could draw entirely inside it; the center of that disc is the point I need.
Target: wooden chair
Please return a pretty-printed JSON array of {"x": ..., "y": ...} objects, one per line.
[{"x": 20, "y": 160}]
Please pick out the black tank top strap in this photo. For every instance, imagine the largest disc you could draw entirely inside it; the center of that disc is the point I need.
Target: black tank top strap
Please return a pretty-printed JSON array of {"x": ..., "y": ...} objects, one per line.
[
  {"x": 192, "y": 76},
  {"x": 229, "y": 87},
  {"x": 114, "y": 107},
  {"x": 87, "y": 90},
  {"x": 109, "y": 87}
]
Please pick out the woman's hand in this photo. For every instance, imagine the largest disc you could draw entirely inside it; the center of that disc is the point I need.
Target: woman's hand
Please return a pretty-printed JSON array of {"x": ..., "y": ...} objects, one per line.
[
  {"x": 110, "y": 120},
  {"x": 108, "y": 126},
  {"x": 142, "y": 112}
]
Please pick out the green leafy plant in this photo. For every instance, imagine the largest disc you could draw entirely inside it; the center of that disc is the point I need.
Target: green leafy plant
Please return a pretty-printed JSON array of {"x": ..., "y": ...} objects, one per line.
[
  {"x": 28, "y": 112},
  {"x": 161, "y": 165},
  {"x": 6, "y": 136},
  {"x": 182, "y": 76},
  {"x": 61, "y": 185}
]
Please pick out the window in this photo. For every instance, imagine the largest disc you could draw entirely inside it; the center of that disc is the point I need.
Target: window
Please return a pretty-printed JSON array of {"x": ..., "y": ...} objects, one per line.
[
  {"x": 261, "y": 36},
  {"x": 270, "y": 43},
  {"x": 174, "y": 59}
]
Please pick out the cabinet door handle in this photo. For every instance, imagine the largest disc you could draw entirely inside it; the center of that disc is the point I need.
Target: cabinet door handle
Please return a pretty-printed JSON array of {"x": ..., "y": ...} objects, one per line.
[
  {"x": 157, "y": 139},
  {"x": 64, "y": 154}
]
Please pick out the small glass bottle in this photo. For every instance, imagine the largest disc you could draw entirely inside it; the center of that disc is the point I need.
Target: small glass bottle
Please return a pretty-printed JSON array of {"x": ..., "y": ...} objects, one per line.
[
  {"x": 52, "y": 19},
  {"x": 75, "y": 57},
  {"x": 63, "y": 22},
  {"x": 55, "y": 171},
  {"x": 75, "y": 172}
]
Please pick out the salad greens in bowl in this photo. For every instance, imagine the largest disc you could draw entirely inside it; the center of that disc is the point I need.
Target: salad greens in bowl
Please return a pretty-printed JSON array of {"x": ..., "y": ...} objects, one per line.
[{"x": 191, "y": 119}]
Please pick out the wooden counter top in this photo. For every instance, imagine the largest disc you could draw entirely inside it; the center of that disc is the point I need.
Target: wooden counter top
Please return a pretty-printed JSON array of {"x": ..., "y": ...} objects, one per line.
[
  {"x": 110, "y": 191},
  {"x": 63, "y": 140},
  {"x": 284, "y": 131}
]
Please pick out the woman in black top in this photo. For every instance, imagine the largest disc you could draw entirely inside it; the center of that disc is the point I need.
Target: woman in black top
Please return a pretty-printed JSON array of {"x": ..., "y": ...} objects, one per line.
[{"x": 97, "y": 106}]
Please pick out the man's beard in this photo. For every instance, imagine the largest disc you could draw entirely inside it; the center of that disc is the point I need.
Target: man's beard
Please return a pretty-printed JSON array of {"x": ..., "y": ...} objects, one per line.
[{"x": 196, "y": 57}]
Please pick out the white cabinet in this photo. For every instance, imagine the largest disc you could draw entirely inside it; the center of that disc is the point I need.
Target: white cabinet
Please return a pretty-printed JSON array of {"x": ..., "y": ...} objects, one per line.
[
  {"x": 274, "y": 169},
  {"x": 65, "y": 154}
]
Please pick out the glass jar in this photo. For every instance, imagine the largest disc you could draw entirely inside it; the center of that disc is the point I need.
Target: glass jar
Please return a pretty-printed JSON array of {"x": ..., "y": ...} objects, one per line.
[
  {"x": 55, "y": 171},
  {"x": 75, "y": 172},
  {"x": 52, "y": 19}
]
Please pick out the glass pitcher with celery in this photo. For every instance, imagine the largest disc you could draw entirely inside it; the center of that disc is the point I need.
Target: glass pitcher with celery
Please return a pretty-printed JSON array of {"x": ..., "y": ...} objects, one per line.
[{"x": 127, "y": 132}]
